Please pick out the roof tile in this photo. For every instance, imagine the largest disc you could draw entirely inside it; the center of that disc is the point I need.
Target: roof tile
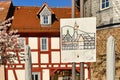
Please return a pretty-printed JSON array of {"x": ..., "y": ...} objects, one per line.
[
  {"x": 4, "y": 8},
  {"x": 26, "y": 21}
]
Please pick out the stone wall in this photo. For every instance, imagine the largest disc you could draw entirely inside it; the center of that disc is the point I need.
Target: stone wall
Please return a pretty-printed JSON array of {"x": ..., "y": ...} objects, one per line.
[
  {"x": 98, "y": 69},
  {"x": 87, "y": 8},
  {"x": 92, "y": 9},
  {"x": 116, "y": 11},
  {"x": 104, "y": 17}
]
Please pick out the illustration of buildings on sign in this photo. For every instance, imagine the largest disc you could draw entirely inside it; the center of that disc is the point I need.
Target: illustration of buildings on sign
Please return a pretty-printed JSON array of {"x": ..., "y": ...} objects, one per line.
[{"x": 75, "y": 39}]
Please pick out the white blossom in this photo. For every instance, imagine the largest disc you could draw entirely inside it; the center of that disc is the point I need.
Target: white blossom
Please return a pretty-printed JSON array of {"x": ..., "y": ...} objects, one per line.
[{"x": 8, "y": 41}]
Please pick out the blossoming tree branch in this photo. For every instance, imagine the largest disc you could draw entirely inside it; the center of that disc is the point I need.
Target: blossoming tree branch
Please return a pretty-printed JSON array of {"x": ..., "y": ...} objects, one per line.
[{"x": 8, "y": 42}]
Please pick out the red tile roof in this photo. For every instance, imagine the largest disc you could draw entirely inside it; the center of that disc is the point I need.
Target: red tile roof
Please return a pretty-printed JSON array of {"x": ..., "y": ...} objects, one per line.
[
  {"x": 27, "y": 22},
  {"x": 4, "y": 8}
]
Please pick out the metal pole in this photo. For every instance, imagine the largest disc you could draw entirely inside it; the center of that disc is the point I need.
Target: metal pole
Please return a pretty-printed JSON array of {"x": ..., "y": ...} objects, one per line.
[
  {"x": 81, "y": 63},
  {"x": 73, "y": 9},
  {"x": 73, "y": 64},
  {"x": 81, "y": 70},
  {"x": 81, "y": 8},
  {"x": 73, "y": 71}
]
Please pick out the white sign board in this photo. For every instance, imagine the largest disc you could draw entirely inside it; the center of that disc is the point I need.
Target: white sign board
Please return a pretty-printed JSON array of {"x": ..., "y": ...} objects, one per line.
[{"x": 78, "y": 39}]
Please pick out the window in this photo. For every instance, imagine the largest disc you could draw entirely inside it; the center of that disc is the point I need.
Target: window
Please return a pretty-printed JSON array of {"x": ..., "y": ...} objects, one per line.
[
  {"x": 45, "y": 19},
  {"x": 104, "y": 4},
  {"x": 35, "y": 76},
  {"x": 44, "y": 44}
]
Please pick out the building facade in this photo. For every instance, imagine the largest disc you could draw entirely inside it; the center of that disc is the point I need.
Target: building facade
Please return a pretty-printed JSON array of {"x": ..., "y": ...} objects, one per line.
[
  {"x": 107, "y": 13},
  {"x": 39, "y": 27}
]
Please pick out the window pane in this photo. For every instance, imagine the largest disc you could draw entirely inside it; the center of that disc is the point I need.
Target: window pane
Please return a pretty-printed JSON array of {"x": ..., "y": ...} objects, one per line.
[
  {"x": 103, "y": 5},
  {"x": 103, "y": 1},
  {"x": 45, "y": 19},
  {"x": 107, "y": 4},
  {"x": 44, "y": 43},
  {"x": 32, "y": 77},
  {"x": 43, "y": 47},
  {"x": 36, "y": 77}
]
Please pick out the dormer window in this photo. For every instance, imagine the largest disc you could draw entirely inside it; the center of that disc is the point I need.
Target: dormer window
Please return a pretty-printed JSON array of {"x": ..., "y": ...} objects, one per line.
[{"x": 45, "y": 15}]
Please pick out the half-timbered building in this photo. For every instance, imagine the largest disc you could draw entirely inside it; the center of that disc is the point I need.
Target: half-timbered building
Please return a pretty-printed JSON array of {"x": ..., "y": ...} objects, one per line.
[{"x": 39, "y": 27}]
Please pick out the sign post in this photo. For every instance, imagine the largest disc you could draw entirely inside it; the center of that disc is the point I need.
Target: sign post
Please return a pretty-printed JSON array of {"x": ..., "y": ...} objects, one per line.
[
  {"x": 73, "y": 64},
  {"x": 81, "y": 63}
]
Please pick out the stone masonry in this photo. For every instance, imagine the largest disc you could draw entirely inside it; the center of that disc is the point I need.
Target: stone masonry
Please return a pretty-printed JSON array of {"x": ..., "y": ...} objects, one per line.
[
  {"x": 108, "y": 23},
  {"x": 104, "y": 17}
]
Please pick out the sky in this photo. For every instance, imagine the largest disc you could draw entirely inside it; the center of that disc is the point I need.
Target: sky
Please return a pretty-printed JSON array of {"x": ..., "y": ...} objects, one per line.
[{"x": 51, "y": 3}]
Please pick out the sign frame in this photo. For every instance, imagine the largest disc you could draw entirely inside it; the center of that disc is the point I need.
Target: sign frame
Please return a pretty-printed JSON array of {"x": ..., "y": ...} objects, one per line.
[{"x": 78, "y": 39}]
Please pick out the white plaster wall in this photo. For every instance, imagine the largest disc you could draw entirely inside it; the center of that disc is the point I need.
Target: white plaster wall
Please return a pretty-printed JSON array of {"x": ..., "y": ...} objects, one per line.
[
  {"x": 11, "y": 75},
  {"x": 44, "y": 58},
  {"x": 55, "y": 43},
  {"x": 2, "y": 74},
  {"x": 86, "y": 74},
  {"x": 46, "y": 74},
  {"x": 60, "y": 78},
  {"x": 34, "y": 57},
  {"x": 33, "y": 43},
  {"x": 55, "y": 57},
  {"x": 20, "y": 74}
]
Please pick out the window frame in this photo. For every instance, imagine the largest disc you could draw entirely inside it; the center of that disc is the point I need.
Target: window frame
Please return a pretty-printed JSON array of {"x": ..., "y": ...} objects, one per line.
[
  {"x": 45, "y": 22},
  {"x": 105, "y": 7},
  {"x": 42, "y": 45},
  {"x": 34, "y": 74}
]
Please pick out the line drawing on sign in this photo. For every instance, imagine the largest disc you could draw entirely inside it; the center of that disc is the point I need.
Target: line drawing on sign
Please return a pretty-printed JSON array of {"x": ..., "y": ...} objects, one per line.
[
  {"x": 75, "y": 39},
  {"x": 78, "y": 39}
]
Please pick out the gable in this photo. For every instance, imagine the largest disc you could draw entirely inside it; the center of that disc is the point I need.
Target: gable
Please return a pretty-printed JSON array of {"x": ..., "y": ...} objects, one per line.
[
  {"x": 45, "y": 11},
  {"x": 45, "y": 17}
]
